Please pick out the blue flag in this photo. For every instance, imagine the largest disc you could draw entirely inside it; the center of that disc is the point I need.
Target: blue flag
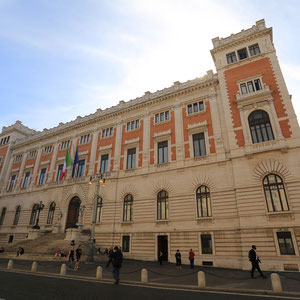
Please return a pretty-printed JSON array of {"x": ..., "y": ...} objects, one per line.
[{"x": 75, "y": 162}]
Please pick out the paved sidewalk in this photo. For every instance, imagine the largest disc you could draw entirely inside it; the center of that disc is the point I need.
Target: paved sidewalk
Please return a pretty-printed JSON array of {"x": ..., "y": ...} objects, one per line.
[{"x": 230, "y": 279}]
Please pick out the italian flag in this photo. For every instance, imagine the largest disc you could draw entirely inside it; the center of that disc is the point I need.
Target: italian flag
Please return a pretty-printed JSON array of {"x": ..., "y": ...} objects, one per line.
[{"x": 67, "y": 162}]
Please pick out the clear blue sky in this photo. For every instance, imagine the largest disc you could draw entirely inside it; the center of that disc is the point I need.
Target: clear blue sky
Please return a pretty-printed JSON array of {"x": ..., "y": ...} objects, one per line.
[{"x": 64, "y": 58}]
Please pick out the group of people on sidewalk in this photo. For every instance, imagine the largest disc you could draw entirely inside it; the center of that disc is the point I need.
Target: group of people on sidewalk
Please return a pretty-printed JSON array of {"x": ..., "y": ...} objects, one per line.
[
  {"x": 74, "y": 255},
  {"x": 253, "y": 258}
]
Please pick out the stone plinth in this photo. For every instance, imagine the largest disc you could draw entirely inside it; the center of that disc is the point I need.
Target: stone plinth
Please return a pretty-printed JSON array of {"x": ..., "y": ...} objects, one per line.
[
  {"x": 34, "y": 234},
  {"x": 73, "y": 234}
]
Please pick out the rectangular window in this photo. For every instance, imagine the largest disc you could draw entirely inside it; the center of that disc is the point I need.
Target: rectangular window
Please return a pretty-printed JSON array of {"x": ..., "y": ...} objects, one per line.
[
  {"x": 162, "y": 152},
  {"x": 250, "y": 86},
  {"x": 18, "y": 158},
  {"x": 199, "y": 144},
  {"x": 242, "y": 53},
  {"x": 254, "y": 50},
  {"x": 131, "y": 155},
  {"x": 80, "y": 170},
  {"x": 60, "y": 168},
  {"x": 42, "y": 176},
  {"x": 285, "y": 243},
  {"x": 231, "y": 58},
  {"x": 125, "y": 243},
  {"x": 161, "y": 117},
  {"x": 26, "y": 180},
  {"x": 32, "y": 154},
  {"x": 243, "y": 88},
  {"x": 104, "y": 163},
  {"x": 206, "y": 244},
  {"x": 133, "y": 125},
  {"x": 257, "y": 84},
  {"x": 107, "y": 132},
  {"x": 47, "y": 149},
  {"x": 195, "y": 107},
  {"x": 12, "y": 182},
  {"x": 65, "y": 145}
]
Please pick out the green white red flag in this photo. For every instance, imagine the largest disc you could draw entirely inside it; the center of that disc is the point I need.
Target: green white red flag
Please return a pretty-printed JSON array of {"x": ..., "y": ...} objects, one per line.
[{"x": 67, "y": 162}]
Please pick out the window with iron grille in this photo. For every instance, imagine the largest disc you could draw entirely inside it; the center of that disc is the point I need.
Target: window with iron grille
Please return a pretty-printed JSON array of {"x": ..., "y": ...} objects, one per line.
[
  {"x": 125, "y": 243},
  {"x": 206, "y": 244},
  {"x": 203, "y": 202},
  {"x": 128, "y": 208},
  {"x": 17, "y": 215}
]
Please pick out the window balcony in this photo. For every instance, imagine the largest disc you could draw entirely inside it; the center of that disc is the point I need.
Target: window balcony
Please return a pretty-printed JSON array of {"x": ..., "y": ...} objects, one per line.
[{"x": 264, "y": 94}]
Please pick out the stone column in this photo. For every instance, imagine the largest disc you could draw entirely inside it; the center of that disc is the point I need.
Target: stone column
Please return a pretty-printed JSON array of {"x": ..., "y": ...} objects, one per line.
[
  {"x": 179, "y": 138},
  {"x": 118, "y": 141},
  {"x": 93, "y": 153},
  {"x": 146, "y": 140}
]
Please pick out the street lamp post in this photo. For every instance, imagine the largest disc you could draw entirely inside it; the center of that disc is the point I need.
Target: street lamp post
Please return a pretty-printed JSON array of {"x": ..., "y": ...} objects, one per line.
[
  {"x": 39, "y": 207},
  {"x": 100, "y": 180}
]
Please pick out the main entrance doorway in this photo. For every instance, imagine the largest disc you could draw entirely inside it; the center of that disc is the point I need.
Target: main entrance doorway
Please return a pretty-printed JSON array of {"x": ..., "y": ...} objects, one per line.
[
  {"x": 162, "y": 245},
  {"x": 73, "y": 213}
]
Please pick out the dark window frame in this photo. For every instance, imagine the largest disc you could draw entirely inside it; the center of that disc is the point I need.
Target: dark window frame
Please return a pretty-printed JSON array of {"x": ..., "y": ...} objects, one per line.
[
  {"x": 26, "y": 180},
  {"x": 203, "y": 199},
  {"x": 242, "y": 53},
  {"x": 231, "y": 58},
  {"x": 2, "y": 217},
  {"x": 162, "y": 152},
  {"x": 276, "y": 186},
  {"x": 59, "y": 172},
  {"x": 80, "y": 168},
  {"x": 12, "y": 182},
  {"x": 104, "y": 163},
  {"x": 254, "y": 50},
  {"x": 199, "y": 145},
  {"x": 283, "y": 247},
  {"x": 128, "y": 208},
  {"x": 162, "y": 205},
  {"x": 131, "y": 159},
  {"x": 17, "y": 215},
  {"x": 206, "y": 243},
  {"x": 33, "y": 215},
  {"x": 51, "y": 213},
  {"x": 126, "y": 243},
  {"x": 260, "y": 127},
  {"x": 42, "y": 178}
]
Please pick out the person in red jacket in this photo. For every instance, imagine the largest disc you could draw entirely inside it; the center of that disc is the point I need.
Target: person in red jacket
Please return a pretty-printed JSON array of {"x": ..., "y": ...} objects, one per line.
[{"x": 191, "y": 258}]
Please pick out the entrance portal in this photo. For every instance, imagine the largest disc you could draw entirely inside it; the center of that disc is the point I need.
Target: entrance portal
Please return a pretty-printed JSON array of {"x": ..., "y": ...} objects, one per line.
[
  {"x": 73, "y": 213},
  {"x": 162, "y": 245}
]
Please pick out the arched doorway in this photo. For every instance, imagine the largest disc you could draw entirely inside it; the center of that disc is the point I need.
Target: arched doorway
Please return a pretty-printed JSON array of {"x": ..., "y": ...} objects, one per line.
[{"x": 73, "y": 213}]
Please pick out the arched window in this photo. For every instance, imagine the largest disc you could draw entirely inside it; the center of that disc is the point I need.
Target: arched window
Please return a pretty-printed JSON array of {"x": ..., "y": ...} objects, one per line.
[
  {"x": 260, "y": 127},
  {"x": 2, "y": 216},
  {"x": 51, "y": 213},
  {"x": 203, "y": 202},
  {"x": 162, "y": 205},
  {"x": 33, "y": 214},
  {"x": 98, "y": 209},
  {"x": 275, "y": 193},
  {"x": 17, "y": 215},
  {"x": 127, "y": 208}
]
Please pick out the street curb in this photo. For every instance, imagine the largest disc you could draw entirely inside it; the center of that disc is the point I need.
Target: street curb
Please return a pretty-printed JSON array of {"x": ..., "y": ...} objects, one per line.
[{"x": 159, "y": 285}]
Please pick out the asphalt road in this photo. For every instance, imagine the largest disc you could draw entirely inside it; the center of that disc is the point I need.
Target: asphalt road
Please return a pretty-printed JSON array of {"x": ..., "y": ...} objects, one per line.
[{"x": 26, "y": 286}]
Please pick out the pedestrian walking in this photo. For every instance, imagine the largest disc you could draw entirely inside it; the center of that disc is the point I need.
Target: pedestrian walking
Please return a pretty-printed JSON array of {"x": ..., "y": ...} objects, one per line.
[
  {"x": 70, "y": 258},
  {"x": 191, "y": 258},
  {"x": 160, "y": 257},
  {"x": 254, "y": 258},
  {"x": 117, "y": 259},
  {"x": 78, "y": 253},
  {"x": 178, "y": 259}
]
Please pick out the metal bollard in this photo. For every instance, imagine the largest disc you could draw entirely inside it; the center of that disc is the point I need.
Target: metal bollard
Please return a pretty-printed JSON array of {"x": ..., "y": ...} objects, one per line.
[
  {"x": 99, "y": 273},
  {"x": 276, "y": 283},
  {"x": 63, "y": 270},
  {"x": 10, "y": 264},
  {"x": 201, "y": 279},
  {"x": 34, "y": 267},
  {"x": 144, "y": 276}
]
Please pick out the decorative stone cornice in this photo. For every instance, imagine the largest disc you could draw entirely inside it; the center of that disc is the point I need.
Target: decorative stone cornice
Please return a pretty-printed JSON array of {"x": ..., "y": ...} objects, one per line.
[
  {"x": 177, "y": 89},
  {"x": 258, "y": 29},
  {"x": 18, "y": 126}
]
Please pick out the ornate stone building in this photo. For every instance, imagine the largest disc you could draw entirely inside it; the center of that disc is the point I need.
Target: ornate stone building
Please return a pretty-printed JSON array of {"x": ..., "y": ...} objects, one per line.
[{"x": 210, "y": 164}]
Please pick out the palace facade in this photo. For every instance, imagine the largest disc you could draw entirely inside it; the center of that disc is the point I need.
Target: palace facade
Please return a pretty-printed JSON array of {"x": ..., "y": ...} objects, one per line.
[{"x": 211, "y": 164}]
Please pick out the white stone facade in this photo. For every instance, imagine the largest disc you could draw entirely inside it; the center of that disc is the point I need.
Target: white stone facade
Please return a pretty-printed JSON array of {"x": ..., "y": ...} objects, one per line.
[{"x": 235, "y": 212}]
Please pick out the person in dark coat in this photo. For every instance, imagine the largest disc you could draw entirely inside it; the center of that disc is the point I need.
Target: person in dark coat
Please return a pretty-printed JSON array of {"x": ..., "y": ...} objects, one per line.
[
  {"x": 117, "y": 259},
  {"x": 254, "y": 258},
  {"x": 178, "y": 259}
]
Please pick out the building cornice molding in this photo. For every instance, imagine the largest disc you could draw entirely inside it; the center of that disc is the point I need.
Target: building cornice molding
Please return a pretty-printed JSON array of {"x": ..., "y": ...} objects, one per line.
[{"x": 177, "y": 89}]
